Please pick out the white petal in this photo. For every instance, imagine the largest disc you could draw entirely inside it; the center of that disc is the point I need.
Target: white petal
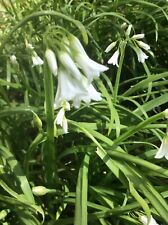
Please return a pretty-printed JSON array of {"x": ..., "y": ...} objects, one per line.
[
  {"x": 143, "y": 219},
  {"x": 163, "y": 150},
  {"x": 52, "y": 62},
  {"x": 29, "y": 46},
  {"x": 37, "y": 61},
  {"x": 13, "y": 59},
  {"x": 68, "y": 88},
  {"x": 141, "y": 56},
  {"x": 110, "y": 46},
  {"x": 128, "y": 31},
  {"x": 60, "y": 117},
  {"x": 69, "y": 64},
  {"x": 90, "y": 68},
  {"x": 143, "y": 45},
  {"x": 76, "y": 45},
  {"x": 138, "y": 36},
  {"x": 114, "y": 59},
  {"x": 92, "y": 94},
  {"x": 65, "y": 125}
]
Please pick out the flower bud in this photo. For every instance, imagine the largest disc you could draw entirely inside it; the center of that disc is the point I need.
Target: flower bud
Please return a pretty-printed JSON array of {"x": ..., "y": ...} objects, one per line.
[
  {"x": 39, "y": 190},
  {"x": 13, "y": 60},
  {"x": 110, "y": 46},
  {"x": 52, "y": 62},
  {"x": 128, "y": 31},
  {"x": 37, "y": 121},
  {"x": 138, "y": 36},
  {"x": 166, "y": 113}
]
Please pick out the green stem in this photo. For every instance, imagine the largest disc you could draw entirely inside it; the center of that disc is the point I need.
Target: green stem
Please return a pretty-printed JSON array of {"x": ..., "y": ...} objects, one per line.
[
  {"x": 150, "y": 83},
  {"x": 116, "y": 86},
  {"x": 49, "y": 147}
]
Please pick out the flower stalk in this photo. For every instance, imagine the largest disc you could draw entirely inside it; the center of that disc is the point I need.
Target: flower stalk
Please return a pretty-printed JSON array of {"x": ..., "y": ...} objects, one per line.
[
  {"x": 117, "y": 81},
  {"x": 49, "y": 147}
]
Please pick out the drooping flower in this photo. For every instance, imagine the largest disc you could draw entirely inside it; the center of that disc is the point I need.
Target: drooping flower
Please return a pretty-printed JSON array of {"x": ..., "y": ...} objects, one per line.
[
  {"x": 52, "y": 62},
  {"x": 89, "y": 67},
  {"x": 114, "y": 58},
  {"x": 143, "y": 45},
  {"x": 37, "y": 61},
  {"x": 68, "y": 87},
  {"x": 138, "y": 36},
  {"x": 71, "y": 89},
  {"x": 163, "y": 150},
  {"x": 69, "y": 64},
  {"x": 13, "y": 60},
  {"x": 92, "y": 94},
  {"x": 141, "y": 55},
  {"x": 143, "y": 219},
  {"x": 61, "y": 120},
  {"x": 110, "y": 46}
]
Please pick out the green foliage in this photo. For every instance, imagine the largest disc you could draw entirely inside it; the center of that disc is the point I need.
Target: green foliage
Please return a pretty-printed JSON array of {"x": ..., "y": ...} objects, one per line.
[{"x": 103, "y": 171}]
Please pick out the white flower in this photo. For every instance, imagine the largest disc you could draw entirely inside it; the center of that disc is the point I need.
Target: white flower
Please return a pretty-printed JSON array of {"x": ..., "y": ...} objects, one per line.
[
  {"x": 61, "y": 120},
  {"x": 69, "y": 64},
  {"x": 141, "y": 56},
  {"x": 163, "y": 150},
  {"x": 91, "y": 94},
  {"x": 68, "y": 87},
  {"x": 114, "y": 58},
  {"x": 52, "y": 62},
  {"x": 110, "y": 46},
  {"x": 90, "y": 68},
  {"x": 138, "y": 36},
  {"x": 29, "y": 46},
  {"x": 37, "y": 61},
  {"x": 71, "y": 89},
  {"x": 143, "y": 45},
  {"x": 144, "y": 220},
  {"x": 13, "y": 60},
  {"x": 128, "y": 31}
]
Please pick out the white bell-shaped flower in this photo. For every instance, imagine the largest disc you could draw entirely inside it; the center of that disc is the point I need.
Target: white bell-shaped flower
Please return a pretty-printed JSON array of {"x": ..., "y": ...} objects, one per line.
[
  {"x": 143, "y": 45},
  {"x": 89, "y": 67},
  {"x": 141, "y": 55},
  {"x": 52, "y": 62},
  {"x": 138, "y": 36},
  {"x": 61, "y": 120},
  {"x": 69, "y": 64},
  {"x": 92, "y": 94},
  {"x": 68, "y": 88},
  {"x": 37, "y": 61},
  {"x": 163, "y": 150},
  {"x": 114, "y": 58}
]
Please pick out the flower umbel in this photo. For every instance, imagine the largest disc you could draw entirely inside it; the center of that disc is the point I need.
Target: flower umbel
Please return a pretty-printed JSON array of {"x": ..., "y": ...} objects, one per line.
[{"x": 163, "y": 150}]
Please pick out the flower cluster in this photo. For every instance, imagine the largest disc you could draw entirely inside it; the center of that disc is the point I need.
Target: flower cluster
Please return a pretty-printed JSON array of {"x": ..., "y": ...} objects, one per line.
[
  {"x": 134, "y": 42},
  {"x": 75, "y": 72}
]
